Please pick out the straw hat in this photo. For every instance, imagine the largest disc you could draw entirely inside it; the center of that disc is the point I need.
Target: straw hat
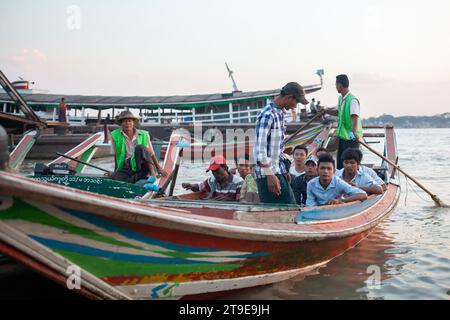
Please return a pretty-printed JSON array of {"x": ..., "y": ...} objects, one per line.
[{"x": 127, "y": 115}]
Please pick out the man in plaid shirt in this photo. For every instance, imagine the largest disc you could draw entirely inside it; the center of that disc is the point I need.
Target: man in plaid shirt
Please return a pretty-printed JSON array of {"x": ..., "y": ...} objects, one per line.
[{"x": 271, "y": 174}]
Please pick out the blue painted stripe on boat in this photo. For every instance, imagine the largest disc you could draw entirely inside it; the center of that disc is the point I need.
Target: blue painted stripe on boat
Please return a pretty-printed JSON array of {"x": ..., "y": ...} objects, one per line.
[
  {"x": 156, "y": 289},
  {"x": 107, "y": 225},
  {"x": 336, "y": 213},
  {"x": 72, "y": 247}
]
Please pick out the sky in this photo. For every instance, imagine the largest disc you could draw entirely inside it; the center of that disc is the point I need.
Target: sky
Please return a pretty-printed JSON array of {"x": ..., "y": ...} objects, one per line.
[{"x": 396, "y": 53}]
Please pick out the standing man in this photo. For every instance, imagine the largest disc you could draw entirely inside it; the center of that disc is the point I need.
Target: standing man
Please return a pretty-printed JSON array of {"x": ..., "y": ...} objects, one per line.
[
  {"x": 133, "y": 151},
  {"x": 312, "y": 106},
  {"x": 349, "y": 129},
  {"x": 62, "y": 111},
  {"x": 272, "y": 177}
]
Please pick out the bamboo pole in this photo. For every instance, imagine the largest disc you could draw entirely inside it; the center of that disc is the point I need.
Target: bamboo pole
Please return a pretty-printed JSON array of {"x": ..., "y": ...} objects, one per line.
[
  {"x": 435, "y": 198},
  {"x": 320, "y": 113},
  {"x": 82, "y": 162}
]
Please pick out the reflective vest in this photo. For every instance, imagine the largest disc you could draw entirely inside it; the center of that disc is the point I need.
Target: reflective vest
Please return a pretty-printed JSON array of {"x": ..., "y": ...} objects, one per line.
[
  {"x": 345, "y": 119},
  {"x": 121, "y": 150}
]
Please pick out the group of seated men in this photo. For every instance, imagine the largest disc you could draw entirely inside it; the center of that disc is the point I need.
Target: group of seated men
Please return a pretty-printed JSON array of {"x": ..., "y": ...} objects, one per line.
[{"x": 314, "y": 182}]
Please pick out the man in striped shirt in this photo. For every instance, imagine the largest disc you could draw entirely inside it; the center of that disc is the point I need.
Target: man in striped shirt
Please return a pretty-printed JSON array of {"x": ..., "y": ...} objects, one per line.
[
  {"x": 272, "y": 177},
  {"x": 222, "y": 186}
]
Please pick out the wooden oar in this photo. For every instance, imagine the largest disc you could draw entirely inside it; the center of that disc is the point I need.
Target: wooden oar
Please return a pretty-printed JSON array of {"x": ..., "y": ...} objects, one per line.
[
  {"x": 82, "y": 162},
  {"x": 435, "y": 198},
  {"x": 320, "y": 113}
]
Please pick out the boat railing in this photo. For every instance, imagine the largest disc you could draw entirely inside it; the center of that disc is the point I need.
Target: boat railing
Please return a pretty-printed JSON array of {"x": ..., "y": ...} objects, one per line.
[{"x": 239, "y": 116}]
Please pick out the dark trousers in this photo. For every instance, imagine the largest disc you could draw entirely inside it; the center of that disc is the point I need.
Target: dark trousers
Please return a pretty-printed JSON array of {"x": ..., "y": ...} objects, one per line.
[
  {"x": 143, "y": 159},
  {"x": 343, "y": 145},
  {"x": 286, "y": 196}
]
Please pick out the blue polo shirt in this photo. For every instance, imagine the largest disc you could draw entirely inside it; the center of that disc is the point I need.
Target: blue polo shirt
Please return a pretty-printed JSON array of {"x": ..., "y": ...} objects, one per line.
[
  {"x": 361, "y": 178},
  {"x": 318, "y": 196}
]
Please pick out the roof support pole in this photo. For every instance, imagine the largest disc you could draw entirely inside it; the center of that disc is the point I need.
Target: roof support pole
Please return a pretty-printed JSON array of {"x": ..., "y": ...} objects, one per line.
[
  {"x": 231, "y": 111},
  {"x": 193, "y": 115},
  {"x": 4, "y": 107},
  {"x": 83, "y": 116},
  {"x": 54, "y": 114},
  {"x": 159, "y": 115}
]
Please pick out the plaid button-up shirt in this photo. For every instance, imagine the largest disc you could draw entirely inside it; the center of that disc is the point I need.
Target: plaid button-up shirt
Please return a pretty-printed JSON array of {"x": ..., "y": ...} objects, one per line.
[{"x": 269, "y": 144}]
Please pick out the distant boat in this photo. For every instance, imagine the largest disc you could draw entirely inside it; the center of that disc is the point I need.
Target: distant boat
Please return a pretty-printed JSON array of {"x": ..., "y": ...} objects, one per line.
[{"x": 235, "y": 107}]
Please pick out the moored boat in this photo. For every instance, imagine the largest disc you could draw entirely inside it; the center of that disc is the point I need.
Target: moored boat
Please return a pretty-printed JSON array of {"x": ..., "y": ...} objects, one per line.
[{"x": 176, "y": 246}]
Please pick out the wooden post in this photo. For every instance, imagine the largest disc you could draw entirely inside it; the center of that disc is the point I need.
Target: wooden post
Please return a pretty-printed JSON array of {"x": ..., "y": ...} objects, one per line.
[
  {"x": 99, "y": 116},
  {"x": 175, "y": 173},
  {"x": 105, "y": 133},
  {"x": 83, "y": 118},
  {"x": 159, "y": 115},
  {"x": 4, "y": 152}
]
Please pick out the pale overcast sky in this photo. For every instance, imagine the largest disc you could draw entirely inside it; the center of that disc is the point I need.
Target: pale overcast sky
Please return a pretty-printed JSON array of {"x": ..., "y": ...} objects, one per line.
[{"x": 396, "y": 53}]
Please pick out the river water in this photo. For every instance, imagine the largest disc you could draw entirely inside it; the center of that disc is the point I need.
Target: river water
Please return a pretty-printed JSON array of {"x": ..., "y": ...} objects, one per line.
[{"x": 406, "y": 257}]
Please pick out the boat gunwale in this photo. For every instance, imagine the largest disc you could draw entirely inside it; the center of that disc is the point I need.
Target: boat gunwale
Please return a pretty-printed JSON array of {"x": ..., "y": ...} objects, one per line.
[{"x": 182, "y": 220}]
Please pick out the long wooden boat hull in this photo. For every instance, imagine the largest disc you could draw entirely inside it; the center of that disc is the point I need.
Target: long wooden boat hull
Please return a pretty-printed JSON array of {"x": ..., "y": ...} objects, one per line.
[
  {"x": 128, "y": 249},
  {"x": 145, "y": 251}
]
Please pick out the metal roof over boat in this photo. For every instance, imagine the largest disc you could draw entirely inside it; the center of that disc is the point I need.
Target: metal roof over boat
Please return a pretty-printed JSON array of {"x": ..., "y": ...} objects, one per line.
[{"x": 178, "y": 101}]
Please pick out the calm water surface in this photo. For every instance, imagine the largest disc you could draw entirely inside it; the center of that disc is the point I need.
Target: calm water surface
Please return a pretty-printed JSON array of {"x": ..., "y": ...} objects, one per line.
[{"x": 410, "y": 249}]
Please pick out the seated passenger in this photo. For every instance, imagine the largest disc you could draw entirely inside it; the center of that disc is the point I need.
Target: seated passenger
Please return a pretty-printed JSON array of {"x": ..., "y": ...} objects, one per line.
[
  {"x": 249, "y": 190},
  {"x": 352, "y": 174},
  {"x": 298, "y": 167},
  {"x": 134, "y": 156},
  {"x": 299, "y": 184},
  {"x": 329, "y": 189},
  {"x": 222, "y": 186}
]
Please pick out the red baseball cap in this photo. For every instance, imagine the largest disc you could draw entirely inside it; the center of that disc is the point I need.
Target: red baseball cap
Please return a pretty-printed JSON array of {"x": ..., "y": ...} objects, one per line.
[{"x": 216, "y": 162}]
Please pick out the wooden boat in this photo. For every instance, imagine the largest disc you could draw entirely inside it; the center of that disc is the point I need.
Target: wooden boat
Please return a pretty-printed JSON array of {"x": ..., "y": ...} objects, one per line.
[
  {"x": 239, "y": 148},
  {"x": 176, "y": 246}
]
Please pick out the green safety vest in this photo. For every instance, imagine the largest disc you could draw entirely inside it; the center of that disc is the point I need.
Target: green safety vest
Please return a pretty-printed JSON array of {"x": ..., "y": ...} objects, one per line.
[
  {"x": 121, "y": 150},
  {"x": 345, "y": 119}
]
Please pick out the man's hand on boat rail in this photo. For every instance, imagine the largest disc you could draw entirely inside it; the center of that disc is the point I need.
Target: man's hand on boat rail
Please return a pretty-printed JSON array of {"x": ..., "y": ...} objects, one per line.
[
  {"x": 188, "y": 186},
  {"x": 162, "y": 172},
  {"x": 335, "y": 201},
  {"x": 273, "y": 184}
]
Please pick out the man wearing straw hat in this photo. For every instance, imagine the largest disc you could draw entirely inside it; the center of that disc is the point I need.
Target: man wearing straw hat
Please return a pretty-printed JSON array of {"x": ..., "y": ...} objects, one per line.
[{"x": 133, "y": 152}]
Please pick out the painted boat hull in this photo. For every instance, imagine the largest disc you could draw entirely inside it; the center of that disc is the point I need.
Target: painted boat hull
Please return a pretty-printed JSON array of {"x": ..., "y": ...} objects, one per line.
[
  {"x": 128, "y": 249},
  {"x": 145, "y": 251}
]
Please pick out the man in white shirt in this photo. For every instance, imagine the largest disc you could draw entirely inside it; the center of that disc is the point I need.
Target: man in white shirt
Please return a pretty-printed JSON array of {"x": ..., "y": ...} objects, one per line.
[{"x": 299, "y": 154}]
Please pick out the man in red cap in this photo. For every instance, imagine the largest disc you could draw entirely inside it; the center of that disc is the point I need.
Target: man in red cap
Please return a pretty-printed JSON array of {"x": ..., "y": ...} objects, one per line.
[{"x": 222, "y": 186}]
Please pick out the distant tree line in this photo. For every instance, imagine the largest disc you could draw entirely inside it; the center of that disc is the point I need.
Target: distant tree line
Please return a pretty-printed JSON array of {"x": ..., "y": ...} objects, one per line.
[{"x": 436, "y": 121}]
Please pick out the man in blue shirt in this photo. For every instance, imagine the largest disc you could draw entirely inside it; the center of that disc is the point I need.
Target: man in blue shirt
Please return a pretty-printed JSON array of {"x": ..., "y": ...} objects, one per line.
[
  {"x": 327, "y": 189},
  {"x": 353, "y": 175}
]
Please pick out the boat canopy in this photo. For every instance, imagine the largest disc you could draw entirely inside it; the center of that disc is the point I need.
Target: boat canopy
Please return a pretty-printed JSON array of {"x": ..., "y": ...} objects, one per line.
[{"x": 176, "y": 102}]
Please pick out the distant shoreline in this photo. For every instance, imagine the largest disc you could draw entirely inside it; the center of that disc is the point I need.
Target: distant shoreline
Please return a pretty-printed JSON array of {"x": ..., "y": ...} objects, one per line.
[{"x": 440, "y": 121}]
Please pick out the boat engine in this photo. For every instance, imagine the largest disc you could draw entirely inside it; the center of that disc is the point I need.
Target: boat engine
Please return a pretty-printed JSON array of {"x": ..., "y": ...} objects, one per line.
[{"x": 41, "y": 169}]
